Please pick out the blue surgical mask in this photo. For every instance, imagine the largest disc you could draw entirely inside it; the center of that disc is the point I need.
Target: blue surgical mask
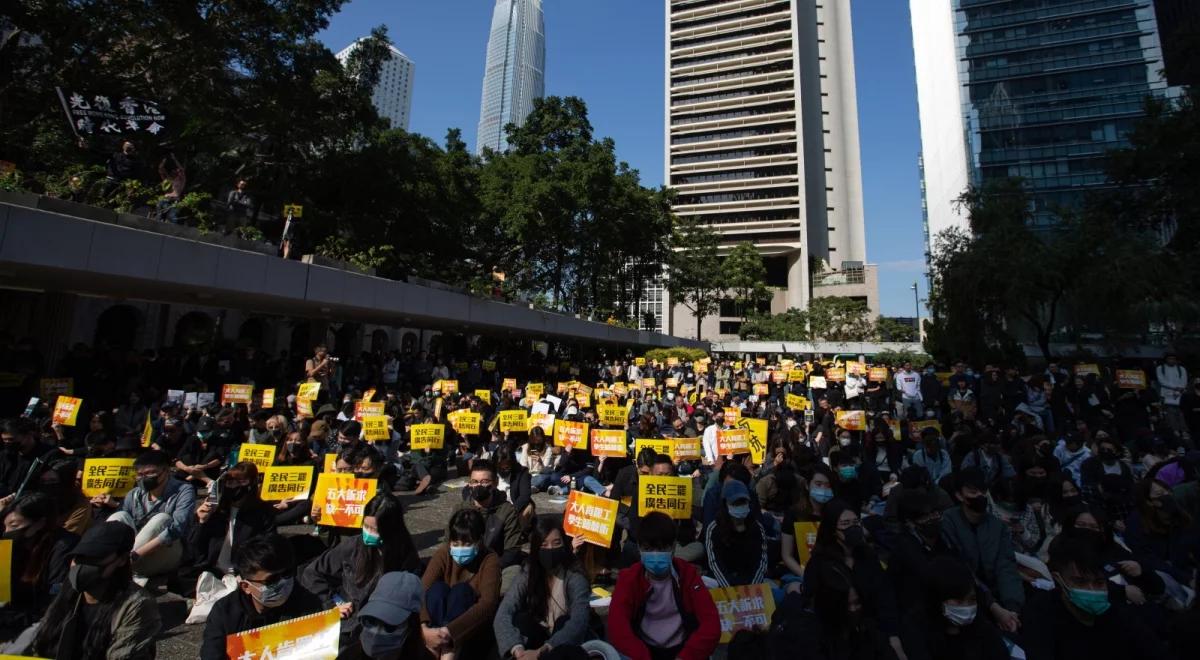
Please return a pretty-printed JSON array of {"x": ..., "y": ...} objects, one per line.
[
  {"x": 848, "y": 472},
  {"x": 371, "y": 540},
  {"x": 1092, "y": 602},
  {"x": 657, "y": 564},
  {"x": 821, "y": 495},
  {"x": 739, "y": 511},
  {"x": 463, "y": 556}
]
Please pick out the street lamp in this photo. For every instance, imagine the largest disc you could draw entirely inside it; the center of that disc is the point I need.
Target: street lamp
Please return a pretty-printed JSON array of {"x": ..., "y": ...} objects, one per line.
[{"x": 917, "y": 306}]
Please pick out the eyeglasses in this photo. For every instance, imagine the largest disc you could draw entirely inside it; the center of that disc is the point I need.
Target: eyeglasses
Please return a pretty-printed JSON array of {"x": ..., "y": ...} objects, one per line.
[
  {"x": 480, "y": 482},
  {"x": 274, "y": 579}
]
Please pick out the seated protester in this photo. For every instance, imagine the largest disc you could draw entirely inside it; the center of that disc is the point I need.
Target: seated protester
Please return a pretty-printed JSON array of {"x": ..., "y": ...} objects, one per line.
[
  {"x": 40, "y": 558},
  {"x": 625, "y": 483},
  {"x": 982, "y": 541},
  {"x": 294, "y": 452},
  {"x": 174, "y": 435},
  {"x": 1023, "y": 509},
  {"x": 200, "y": 459},
  {"x": 954, "y": 628},
  {"x": 391, "y": 619},
  {"x": 1072, "y": 453},
  {"x": 267, "y": 593},
  {"x": 462, "y": 590},
  {"x": 577, "y": 467},
  {"x": 914, "y": 478},
  {"x": 1105, "y": 473},
  {"x": 932, "y": 456},
  {"x": 369, "y": 464},
  {"x": 258, "y": 433},
  {"x": 660, "y": 608},
  {"x": 985, "y": 455},
  {"x": 1161, "y": 534},
  {"x": 237, "y": 515},
  {"x": 100, "y": 612},
  {"x": 688, "y": 546},
  {"x": 842, "y": 545},
  {"x": 807, "y": 509},
  {"x": 735, "y": 543},
  {"x": 914, "y": 549},
  {"x": 827, "y": 621},
  {"x": 515, "y": 482},
  {"x": 1136, "y": 584},
  {"x": 58, "y": 482},
  {"x": 857, "y": 483},
  {"x": 536, "y": 457},
  {"x": 502, "y": 529},
  {"x": 547, "y": 605},
  {"x": 734, "y": 469},
  {"x": 1076, "y": 619},
  {"x": 22, "y": 446},
  {"x": 345, "y": 575},
  {"x": 160, "y": 511}
]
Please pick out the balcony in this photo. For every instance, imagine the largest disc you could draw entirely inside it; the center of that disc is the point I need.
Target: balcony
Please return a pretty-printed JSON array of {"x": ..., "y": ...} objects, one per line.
[
  {"x": 731, "y": 44},
  {"x": 731, "y": 25},
  {"x": 715, "y": 11}
]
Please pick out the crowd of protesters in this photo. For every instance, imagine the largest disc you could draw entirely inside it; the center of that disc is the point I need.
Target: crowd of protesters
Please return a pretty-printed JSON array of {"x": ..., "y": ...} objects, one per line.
[{"x": 956, "y": 511}]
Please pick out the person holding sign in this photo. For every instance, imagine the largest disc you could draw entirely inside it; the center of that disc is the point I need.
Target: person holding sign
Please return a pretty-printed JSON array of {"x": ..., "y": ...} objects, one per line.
[
  {"x": 39, "y": 560},
  {"x": 660, "y": 608},
  {"x": 21, "y": 448},
  {"x": 462, "y": 590},
  {"x": 547, "y": 605},
  {"x": 267, "y": 593},
  {"x": 160, "y": 509},
  {"x": 237, "y": 515},
  {"x": 800, "y": 522},
  {"x": 99, "y": 611}
]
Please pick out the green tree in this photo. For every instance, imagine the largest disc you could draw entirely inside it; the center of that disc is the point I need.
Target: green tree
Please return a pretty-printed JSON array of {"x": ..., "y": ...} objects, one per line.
[
  {"x": 694, "y": 268},
  {"x": 745, "y": 275},
  {"x": 838, "y": 318},
  {"x": 791, "y": 325},
  {"x": 889, "y": 329}
]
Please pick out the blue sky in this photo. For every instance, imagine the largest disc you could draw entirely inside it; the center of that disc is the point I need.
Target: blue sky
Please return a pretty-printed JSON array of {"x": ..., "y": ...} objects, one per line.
[{"x": 610, "y": 53}]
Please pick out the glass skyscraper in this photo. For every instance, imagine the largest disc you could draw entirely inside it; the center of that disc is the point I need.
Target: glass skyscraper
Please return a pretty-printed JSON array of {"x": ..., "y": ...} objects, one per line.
[
  {"x": 515, "y": 74},
  {"x": 1037, "y": 89}
]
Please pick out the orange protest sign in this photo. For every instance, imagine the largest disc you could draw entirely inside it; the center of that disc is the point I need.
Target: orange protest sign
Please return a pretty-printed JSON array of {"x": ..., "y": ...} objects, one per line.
[
  {"x": 234, "y": 393},
  {"x": 1129, "y": 379},
  {"x": 608, "y": 442},
  {"x": 304, "y": 407},
  {"x": 365, "y": 408},
  {"x": 747, "y": 607},
  {"x": 852, "y": 420},
  {"x": 779, "y": 377},
  {"x": 571, "y": 435},
  {"x": 66, "y": 410},
  {"x": 508, "y": 384},
  {"x": 686, "y": 449},
  {"x": 856, "y": 368},
  {"x": 591, "y": 517},
  {"x": 733, "y": 441},
  {"x": 1085, "y": 369},
  {"x": 312, "y": 637},
  {"x": 836, "y": 374},
  {"x": 342, "y": 497},
  {"x": 732, "y": 415},
  {"x": 762, "y": 389},
  {"x": 268, "y": 398},
  {"x": 6, "y": 548},
  {"x": 878, "y": 374}
]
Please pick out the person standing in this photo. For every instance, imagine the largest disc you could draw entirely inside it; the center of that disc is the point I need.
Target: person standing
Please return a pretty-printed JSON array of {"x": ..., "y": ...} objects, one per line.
[
  {"x": 1172, "y": 379},
  {"x": 908, "y": 384},
  {"x": 122, "y": 166},
  {"x": 319, "y": 369}
]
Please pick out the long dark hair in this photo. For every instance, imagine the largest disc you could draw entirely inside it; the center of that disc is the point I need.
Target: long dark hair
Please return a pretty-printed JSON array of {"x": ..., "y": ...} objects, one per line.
[
  {"x": 397, "y": 548},
  {"x": 98, "y": 638},
  {"x": 537, "y": 588},
  {"x": 249, "y": 471},
  {"x": 827, "y": 543},
  {"x": 36, "y": 549}
]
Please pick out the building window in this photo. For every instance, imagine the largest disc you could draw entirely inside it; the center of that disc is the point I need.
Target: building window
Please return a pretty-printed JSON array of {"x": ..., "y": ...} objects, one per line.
[{"x": 730, "y": 327}]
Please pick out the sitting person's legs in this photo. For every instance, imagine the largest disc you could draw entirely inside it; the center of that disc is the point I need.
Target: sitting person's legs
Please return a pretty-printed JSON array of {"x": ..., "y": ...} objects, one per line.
[
  {"x": 445, "y": 603},
  {"x": 163, "y": 559}
]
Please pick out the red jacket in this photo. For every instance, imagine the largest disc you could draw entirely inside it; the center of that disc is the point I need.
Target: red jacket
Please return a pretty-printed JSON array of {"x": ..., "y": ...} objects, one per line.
[{"x": 629, "y": 597}]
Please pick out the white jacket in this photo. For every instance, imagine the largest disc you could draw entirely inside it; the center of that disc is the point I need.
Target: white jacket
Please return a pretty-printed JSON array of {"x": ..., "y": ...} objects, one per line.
[{"x": 1171, "y": 382}]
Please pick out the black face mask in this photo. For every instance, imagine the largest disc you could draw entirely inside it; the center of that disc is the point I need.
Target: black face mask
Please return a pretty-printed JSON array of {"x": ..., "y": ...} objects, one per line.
[
  {"x": 1091, "y": 536},
  {"x": 855, "y": 537},
  {"x": 930, "y": 529},
  {"x": 364, "y": 475},
  {"x": 276, "y": 433},
  {"x": 977, "y": 504},
  {"x": 1072, "y": 500},
  {"x": 236, "y": 493},
  {"x": 482, "y": 494},
  {"x": 1108, "y": 457},
  {"x": 86, "y": 577},
  {"x": 553, "y": 558},
  {"x": 149, "y": 483},
  {"x": 12, "y": 448},
  {"x": 13, "y": 535}
]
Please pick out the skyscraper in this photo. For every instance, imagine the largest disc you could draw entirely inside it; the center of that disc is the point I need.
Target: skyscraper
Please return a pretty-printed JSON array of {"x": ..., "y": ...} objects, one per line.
[
  {"x": 392, "y": 96},
  {"x": 1038, "y": 90},
  {"x": 515, "y": 73},
  {"x": 762, "y": 142}
]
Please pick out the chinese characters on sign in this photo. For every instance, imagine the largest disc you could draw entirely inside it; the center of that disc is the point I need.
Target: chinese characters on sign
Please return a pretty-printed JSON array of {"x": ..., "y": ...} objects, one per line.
[
  {"x": 669, "y": 495},
  {"x": 66, "y": 409},
  {"x": 231, "y": 393},
  {"x": 261, "y": 455},
  {"x": 428, "y": 436},
  {"x": 98, "y": 114},
  {"x": 342, "y": 497},
  {"x": 591, "y": 517},
  {"x": 571, "y": 435},
  {"x": 108, "y": 476},
  {"x": 608, "y": 442},
  {"x": 312, "y": 637},
  {"x": 513, "y": 420},
  {"x": 375, "y": 428},
  {"x": 743, "y": 608},
  {"x": 286, "y": 483}
]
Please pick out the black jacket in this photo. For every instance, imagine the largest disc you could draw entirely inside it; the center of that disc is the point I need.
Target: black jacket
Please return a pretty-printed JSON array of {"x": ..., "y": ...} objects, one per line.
[
  {"x": 206, "y": 539},
  {"x": 235, "y": 613},
  {"x": 873, "y": 587},
  {"x": 333, "y": 574},
  {"x": 1051, "y": 632},
  {"x": 14, "y": 467}
]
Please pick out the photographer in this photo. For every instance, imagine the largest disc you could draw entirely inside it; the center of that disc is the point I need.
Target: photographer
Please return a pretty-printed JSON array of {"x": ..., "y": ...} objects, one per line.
[{"x": 319, "y": 369}]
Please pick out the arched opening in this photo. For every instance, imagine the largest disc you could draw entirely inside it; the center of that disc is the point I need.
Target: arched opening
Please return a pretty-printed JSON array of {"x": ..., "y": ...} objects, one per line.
[
  {"x": 194, "y": 330},
  {"x": 408, "y": 343},
  {"x": 379, "y": 341},
  {"x": 300, "y": 345},
  {"x": 117, "y": 327}
]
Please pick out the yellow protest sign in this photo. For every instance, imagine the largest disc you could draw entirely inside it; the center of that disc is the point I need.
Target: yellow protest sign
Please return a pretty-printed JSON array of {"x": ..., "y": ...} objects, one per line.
[
  {"x": 852, "y": 420},
  {"x": 795, "y": 376},
  {"x": 261, "y": 455},
  {"x": 544, "y": 420},
  {"x": 369, "y": 394},
  {"x": 758, "y": 437},
  {"x": 669, "y": 495},
  {"x": 535, "y": 390},
  {"x": 484, "y": 395},
  {"x": 878, "y": 374},
  {"x": 428, "y": 436},
  {"x": 817, "y": 382},
  {"x": 620, "y": 389},
  {"x": 108, "y": 476},
  {"x": 375, "y": 428},
  {"x": 797, "y": 402},
  {"x": 448, "y": 386},
  {"x": 640, "y": 361},
  {"x": 835, "y": 374},
  {"x": 235, "y": 393},
  {"x": 672, "y": 361},
  {"x": 671, "y": 382},
  {"x": 147, "y": 432},
  {"x": 571, "y": 435},
  {"x": 561, "y": 388},
  {"x": 859, "y": 368},
  {"x": 607, "y": 442},
  {"x": 746, "y": 607},
  {"x": 648, "y": 384},
  {"x": 342, "y": 497},
  {"x": 731, "y": 442},
  {"x": 661, "y": 446},
  {"x": 268, "y": 398},
  {"x": 330, "y": 462},
  {"x": 591, "y": 517},
  {"x": 685, "y": 449},
  {"x": 304, "y": 407},
  {"x": 779, "y": 377},
  {"x": 1127, "y": 379},
  {"x": 286, "y": 483},
  {"x": 806, "y": 538},
  {"x": 467, "y": 423},
  {"x": 732, "y": 415},
  {"x": 295, "y": 211},
  {"x": 367, "y": 408},
  {"x": 915, "y": 428},
  {"x": 312, "y": 637},
  {"x": 6, "y": 571},
  {"x": 1085, "y": 369},
  {"x": 488, "y": 365},
  {"x": 66, "y": 410},
  {"x": 762, "y": 389},
  {"x": 611, "y": 415},
  {"x": 514, "y": 420},
  {"x": 309, "y": 391},
  {"x": 508, "y": 384}
]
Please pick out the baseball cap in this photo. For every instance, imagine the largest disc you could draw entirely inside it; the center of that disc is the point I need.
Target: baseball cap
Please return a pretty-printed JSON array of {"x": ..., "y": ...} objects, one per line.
[
  {"x": 396, "y": 598},
  {"x": 104, "y": 540},
  {"x": 320, "y": 429},
  {"x": 734, "y": 490}
]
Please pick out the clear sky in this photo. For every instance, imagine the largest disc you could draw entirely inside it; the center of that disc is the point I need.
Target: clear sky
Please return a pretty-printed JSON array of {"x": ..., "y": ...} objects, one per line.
[{"x": 610, "y": 54}]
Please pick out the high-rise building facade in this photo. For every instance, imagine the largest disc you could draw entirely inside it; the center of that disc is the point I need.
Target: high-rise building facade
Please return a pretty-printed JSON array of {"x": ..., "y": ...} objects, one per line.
[
  {"x": 762, "y": 140},
  {"x": 392, "y": 96},
  {"x": 1037, "y": 89},
  {"x": 515, "y": 73}
]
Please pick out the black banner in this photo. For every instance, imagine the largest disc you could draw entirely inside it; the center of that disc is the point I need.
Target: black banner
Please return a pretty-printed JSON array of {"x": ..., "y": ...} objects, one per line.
[{"x": 98, "y": 114}]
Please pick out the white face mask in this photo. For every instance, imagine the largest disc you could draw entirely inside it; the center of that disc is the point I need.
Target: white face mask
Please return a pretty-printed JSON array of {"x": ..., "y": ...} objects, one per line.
[
  {"x": 959, "y": 615},
  {"x": 845, "y": 442}
]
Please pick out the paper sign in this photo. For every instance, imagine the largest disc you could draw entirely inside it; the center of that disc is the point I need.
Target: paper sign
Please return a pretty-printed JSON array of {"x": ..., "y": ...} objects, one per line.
[
  {"x": 816, "y": 382},
  {"x": 286, "y": 483},
  {"x": 233, "y": 393},
  {"x": 295, "y": 211},
  {"x": 147, "y": 432},
  {"x": 795, "y": 376},
  {"x": 762, "y": 389},
  {"x": 312, "y": 637},
  {"x": 835, "y": 374},
  {"x": 261, "y": 455},
  {"x": 66, "y": 410},
  {"x": 758, "y": 437},
  {"x": 535, "y": 390},
  {"x": 342, "y": 497},
  {"x": 428, "y": 436},
  {"x": 363, "y": 409},
  {"x": 732, "y": 415},
  {"x": 669, "y": 495},
  {"x": 648, "y": 384},
  {"x": 856, "y": 368},
  {"x": 369, "y": 395},
  {"x": 571, "y": 435},
  {"x": 331, "y": 462},
  {"x": 1131, "y": 379},
  {"x": 591, "y": 517},
  {"x": 672, "y": 361},
  {"x": 544, "y": 420},
  {"x": 806, "y": 538},
  {"x": 191, "y": 400},
  {"x": 51, "y": 387},
  {"x": 620, "y": 389},
  {"x": 915, "y": 428},
  {"x": 878, "y": 374},
  {"x": 607, "y": 442},
  {"x": 640, "y": 361},
  {"x": 304, "y": 407},
  {"x": 268, "y": 398},
  {"x": 733, "y": 441},
  {"x": 685, "y": 449},
  {"x": 797, "y": 402},
  {"x": 309, "y": 391},
  {"x": 205, "y": 399},
  {"x": 514, "y": 420},
  {"x": 671, "y": 382},
  {"x": 488, "y": 365},
  {"x": 375, "y": 428},
  {"x": 661, "y": 446},
  {"x": 1085, "y": 369},
  {"x": 484, "y": 395},
  {"x": 509, "y": 384},
  {"x": 6, "y": 571},
  {"x": 448, "y": 387},
  {"x": 611, "y": 415},
  {"x": 743, "y": 608},
  {"x": 467, "y": 423},
  {"x": 108, "y": 476},
  {"x": 852, "y": 420}
]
